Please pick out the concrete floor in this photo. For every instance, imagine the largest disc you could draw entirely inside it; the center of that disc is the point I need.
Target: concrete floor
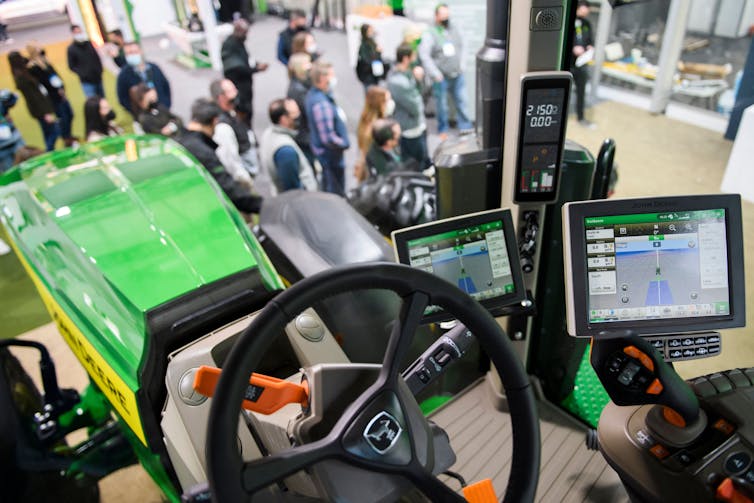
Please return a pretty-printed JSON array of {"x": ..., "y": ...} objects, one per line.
[{"x": 656, "y": 156}]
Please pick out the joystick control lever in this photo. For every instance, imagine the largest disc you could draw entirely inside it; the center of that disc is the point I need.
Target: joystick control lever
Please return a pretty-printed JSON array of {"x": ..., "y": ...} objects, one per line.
[{"x": 634, "y": 373}]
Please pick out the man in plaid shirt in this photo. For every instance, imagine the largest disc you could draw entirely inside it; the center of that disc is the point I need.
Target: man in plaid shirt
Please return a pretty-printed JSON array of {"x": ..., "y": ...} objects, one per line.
[{"x": 327, "y": 123}]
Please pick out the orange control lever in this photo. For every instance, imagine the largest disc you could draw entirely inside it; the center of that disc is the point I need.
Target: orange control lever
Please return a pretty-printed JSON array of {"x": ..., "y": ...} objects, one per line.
[
  {"x": 265, "y": 394},
  {"x": 729, "y": 493},
  {"x": 480, "y": 492}
]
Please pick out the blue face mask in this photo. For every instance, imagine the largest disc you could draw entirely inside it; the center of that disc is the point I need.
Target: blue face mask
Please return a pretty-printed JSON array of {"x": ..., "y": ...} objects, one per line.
[{"x": 133, "y": 59}]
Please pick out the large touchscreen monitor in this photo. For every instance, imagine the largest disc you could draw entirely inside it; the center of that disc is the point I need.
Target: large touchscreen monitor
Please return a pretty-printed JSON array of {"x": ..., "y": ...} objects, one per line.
[
  {"x": 654, "y": 266},
  {"x": 477, "y": 253}
]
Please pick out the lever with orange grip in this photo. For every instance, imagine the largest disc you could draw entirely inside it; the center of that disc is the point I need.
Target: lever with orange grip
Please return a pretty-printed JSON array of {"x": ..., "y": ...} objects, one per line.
[
  {"x": 265, "y": 394},
  {"x": 634, "y": 373}
]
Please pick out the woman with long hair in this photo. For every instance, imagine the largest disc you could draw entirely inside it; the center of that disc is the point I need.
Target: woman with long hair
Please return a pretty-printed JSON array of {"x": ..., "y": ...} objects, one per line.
[
  {"x": 370, "y": 68},
  {"x": 49, "y": 78},
  {"x": 37, "y": 99},
  {"x": 378, "y": 104},
  {"x": 154, "y": 117},
  {"x": 99, "y": 118}
]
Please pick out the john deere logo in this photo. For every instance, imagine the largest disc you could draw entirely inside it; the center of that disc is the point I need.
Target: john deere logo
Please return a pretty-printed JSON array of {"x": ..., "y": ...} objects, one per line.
[{"x": 382, "y": 432}]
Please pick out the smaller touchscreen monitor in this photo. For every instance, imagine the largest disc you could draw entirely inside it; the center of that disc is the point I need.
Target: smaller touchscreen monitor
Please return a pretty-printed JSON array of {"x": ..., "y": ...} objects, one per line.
[
  {"x": 654, "y": 266},
  {"x": 477, "y": 253}
]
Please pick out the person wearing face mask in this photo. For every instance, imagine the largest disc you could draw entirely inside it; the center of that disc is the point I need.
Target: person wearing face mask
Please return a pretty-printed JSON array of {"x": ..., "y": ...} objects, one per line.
[
  {"x": 99, "y": 119},
  {"x": 378, "y": 104},
  {"x": 197, "y": 139},
  {"x": 383, "y": 156},
  {"x": 441, "y": 51},
  {"x": 140, "y": 71},
  {"x": 286, "y": 164},
  {"x": 236, "y": 143},
  {"x": 304, "y": 43},
  {"x": 296, "y": 24},
  {"x": 370, "y": 68},
  {"x": 327, "y": 123},
  {"x": 84, "y": 61},
  {"x": 240, "y": 68},
  {"x": 153, "y": 116},
  {"x": 298, "y": 72},
  {"x": 38, "y": 102},
  {"x": 403, "y": 82},
  {"x": 49, "y": 78},
  {"x": 10, "y": 137}
]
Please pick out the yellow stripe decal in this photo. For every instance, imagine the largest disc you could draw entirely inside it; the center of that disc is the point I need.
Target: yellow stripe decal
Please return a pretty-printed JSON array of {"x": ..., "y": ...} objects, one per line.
[{"x": 122, "y": 398}]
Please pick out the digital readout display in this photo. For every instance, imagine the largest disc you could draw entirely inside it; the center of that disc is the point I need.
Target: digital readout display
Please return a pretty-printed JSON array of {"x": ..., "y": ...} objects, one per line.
[{"x": 543, "y": 115}]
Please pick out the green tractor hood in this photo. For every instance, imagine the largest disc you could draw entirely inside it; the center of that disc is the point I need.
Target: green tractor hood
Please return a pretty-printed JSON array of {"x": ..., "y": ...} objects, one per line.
[{"x": 126, "y": 239}]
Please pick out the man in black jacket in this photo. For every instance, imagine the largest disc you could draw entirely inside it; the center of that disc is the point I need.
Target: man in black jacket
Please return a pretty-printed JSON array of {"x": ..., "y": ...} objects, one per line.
[
  {"x": 239, "y": 70},
  {"x": 296, "y": 24},
  {"x": 139, "y": 70},
  {"x": 83, "y": 60},
  {"x": 197, "y": 139},
  {"x": 582, "y": 43}
]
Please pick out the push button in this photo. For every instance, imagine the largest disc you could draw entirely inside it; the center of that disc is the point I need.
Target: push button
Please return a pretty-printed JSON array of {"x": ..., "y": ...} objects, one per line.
[
  {"x": 655, "y": 388},
  {"x": 724, "y": 427},
  {"x": 749, "y": 476},
  {"x": 737, "y": 462},
  {"x": 685, "y": 458},
  {"x": 442, "y": 357},
  {"x": 659, "y": 451}
]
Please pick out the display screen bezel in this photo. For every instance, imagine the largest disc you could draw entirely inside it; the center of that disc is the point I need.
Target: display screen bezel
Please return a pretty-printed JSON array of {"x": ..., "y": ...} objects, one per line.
[
  {"x": 577, "y": 285},
  {"x": 550, "y": 80},
  {"x": 402, "y": 237}
]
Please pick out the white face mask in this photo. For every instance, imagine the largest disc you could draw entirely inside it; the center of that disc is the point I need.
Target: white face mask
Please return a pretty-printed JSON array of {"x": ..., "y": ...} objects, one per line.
[
  {"x": 133, "y": 59},
  {"x": 390, "y": 107},
  {"x": 333, "y": 83},
  {"x": 80, "y": 37},
  {"x": 312, "y": 49}
]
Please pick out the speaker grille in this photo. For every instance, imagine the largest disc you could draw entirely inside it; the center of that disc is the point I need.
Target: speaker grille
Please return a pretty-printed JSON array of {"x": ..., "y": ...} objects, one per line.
[{"x": 546, "y": 18}]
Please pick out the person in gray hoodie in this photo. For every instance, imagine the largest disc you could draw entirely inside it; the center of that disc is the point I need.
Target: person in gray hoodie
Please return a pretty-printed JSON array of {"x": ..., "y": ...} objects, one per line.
[
  {"x": 441, "y": 52},
  {"x": 403, "y": 84}
]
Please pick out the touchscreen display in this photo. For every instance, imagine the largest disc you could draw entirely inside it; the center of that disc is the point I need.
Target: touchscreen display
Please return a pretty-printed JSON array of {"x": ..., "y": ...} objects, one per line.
[
  {"x": 657, "y": 266},
  {"x": 474, "y": 258}
]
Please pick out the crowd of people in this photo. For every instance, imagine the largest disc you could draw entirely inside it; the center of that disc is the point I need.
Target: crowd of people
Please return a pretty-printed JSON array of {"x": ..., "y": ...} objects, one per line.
[{"x": 303, "y": 147}]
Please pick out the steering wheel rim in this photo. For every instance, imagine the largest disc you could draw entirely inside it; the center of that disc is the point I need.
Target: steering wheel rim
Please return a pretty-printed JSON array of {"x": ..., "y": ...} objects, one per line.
[{"x": 225, "y": 467}]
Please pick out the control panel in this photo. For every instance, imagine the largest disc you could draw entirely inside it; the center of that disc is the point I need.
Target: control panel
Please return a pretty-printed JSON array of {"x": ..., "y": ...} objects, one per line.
[{"x": 687, "y": 347}]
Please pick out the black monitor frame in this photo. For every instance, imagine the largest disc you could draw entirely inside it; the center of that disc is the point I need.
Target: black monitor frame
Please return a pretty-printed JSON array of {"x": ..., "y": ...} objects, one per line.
[
  {"x": 575, "y": 261},
  {"x": 402, "y": 237},
  {"x": 537, "y": 81}
]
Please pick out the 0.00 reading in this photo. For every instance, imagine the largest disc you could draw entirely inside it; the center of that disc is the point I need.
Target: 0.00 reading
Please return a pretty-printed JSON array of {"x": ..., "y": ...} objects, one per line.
[{"x": 541, "y": 121}]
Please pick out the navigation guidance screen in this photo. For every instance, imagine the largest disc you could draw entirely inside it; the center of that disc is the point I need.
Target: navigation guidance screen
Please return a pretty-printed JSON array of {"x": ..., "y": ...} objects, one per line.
[
  {"x": 657, "y": 265},
  {"x": 473, "y": 258},
  {"x": 477, "y": 253}
]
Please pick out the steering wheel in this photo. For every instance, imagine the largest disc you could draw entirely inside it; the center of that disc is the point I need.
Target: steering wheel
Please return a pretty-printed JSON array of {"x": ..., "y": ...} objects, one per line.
[{"x": 410, "y": 455}]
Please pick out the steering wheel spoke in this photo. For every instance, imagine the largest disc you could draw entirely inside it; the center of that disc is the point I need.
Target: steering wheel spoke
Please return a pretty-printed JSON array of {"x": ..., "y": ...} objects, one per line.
[
  {"x": 261, "y": 473},
  {"x": 412, "y": 310}
]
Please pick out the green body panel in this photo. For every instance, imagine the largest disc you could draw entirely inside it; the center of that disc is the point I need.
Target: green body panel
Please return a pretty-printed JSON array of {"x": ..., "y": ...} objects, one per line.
[{"x": 114, "y": 229}]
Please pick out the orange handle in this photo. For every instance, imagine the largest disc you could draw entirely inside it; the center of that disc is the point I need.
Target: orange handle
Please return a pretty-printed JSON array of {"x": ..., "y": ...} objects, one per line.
[
  {"x": 728, "y": 493},
  {"x": 480, "y": 492},
  {"x": 265, "y": 394}
]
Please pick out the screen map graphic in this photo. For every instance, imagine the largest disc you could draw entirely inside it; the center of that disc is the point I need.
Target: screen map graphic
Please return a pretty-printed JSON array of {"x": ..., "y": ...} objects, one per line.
[
  {"x": 657, "y": 265},
  {"x": 474, "y": 259}
]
